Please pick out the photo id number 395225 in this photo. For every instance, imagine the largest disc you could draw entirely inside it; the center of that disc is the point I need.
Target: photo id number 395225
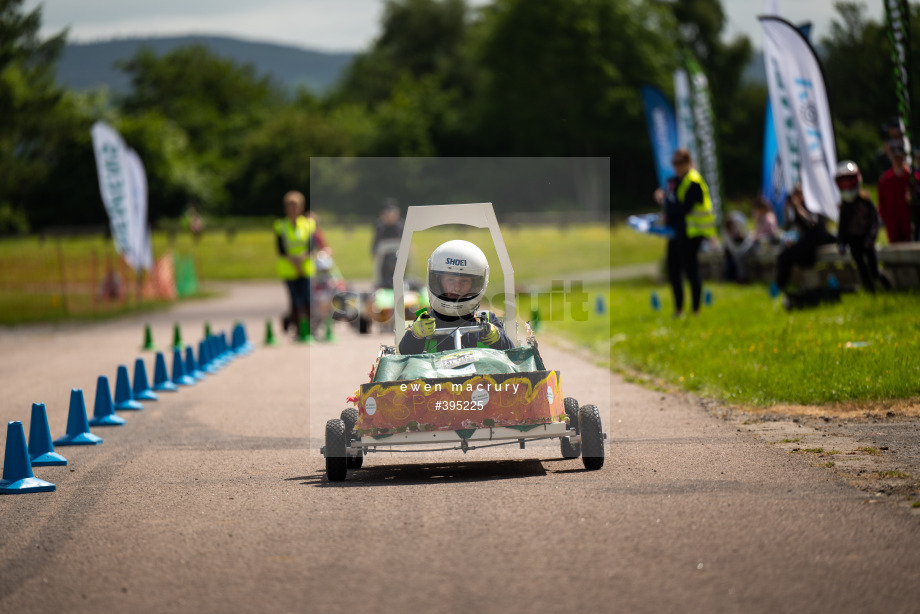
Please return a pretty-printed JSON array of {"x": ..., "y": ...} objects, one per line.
[{"x": 458, "y": 406}]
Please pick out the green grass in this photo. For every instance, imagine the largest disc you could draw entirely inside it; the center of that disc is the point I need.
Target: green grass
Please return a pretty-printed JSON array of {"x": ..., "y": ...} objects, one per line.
[
  {"x": 746, "y": 349},
  {"x": 58, "y": 278},
  {"x": 55, "y": 279},
  {"x": 537, "y": 253}
]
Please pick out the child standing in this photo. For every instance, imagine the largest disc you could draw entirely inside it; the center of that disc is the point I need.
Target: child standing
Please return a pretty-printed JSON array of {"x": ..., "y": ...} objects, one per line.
[{"x": 858, "y": 224}]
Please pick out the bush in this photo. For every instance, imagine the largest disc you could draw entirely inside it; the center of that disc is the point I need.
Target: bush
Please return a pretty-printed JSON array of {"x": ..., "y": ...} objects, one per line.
[{"x": 13, "y": 221}]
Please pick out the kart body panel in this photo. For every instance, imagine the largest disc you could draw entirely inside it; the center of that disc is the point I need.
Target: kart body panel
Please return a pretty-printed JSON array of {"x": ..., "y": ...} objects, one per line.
[{"x": 460, "y": 403}]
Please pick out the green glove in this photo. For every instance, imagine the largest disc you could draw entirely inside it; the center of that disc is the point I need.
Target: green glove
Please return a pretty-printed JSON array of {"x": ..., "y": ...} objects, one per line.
[
  {"x": 423, "y": 326},
  {"x": 490, "y": 337}
]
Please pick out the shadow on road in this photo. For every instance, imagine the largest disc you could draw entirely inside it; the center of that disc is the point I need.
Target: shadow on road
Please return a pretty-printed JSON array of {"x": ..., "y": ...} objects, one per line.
[{"x": 431, "y": 473}]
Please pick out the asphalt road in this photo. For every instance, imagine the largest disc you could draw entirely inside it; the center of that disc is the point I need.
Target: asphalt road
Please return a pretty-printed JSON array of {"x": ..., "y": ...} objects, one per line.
[{"x": 213, "y": 499}]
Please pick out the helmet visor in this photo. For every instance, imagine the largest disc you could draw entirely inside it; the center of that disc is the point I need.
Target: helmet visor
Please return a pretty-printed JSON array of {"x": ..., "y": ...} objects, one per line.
[
  {"x": 848, "y": 182},
  {"x": 455, "y": 286}
]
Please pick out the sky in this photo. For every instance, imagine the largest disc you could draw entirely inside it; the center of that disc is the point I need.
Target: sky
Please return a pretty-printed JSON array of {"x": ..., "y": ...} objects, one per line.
[{"x": 327, "y": 25}]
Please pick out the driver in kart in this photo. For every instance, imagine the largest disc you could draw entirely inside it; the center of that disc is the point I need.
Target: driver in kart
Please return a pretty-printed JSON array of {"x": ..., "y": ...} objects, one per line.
[{"x": 458, "y": 274}]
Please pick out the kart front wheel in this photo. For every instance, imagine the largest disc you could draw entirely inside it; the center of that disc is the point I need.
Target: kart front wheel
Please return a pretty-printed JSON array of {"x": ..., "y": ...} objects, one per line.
[
  {"x": 592, "y": 437},
  {"x": 336, "y": 442},
  {"x": 571, "y": 450}
]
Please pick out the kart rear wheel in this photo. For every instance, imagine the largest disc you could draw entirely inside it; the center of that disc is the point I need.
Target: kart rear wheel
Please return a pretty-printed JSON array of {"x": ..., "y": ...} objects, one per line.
[
  {"x": 571, "y": 450},
  {"x": 336, "y": 442},
  {"x": 592, "y": 437},
  {"x": 350, "y": 418}
]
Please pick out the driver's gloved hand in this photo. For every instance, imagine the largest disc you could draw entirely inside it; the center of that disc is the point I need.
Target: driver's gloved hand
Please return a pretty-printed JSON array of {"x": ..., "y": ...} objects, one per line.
[
  {"x": 491, "y": 336},
  {"x": 423, "y": 326}
]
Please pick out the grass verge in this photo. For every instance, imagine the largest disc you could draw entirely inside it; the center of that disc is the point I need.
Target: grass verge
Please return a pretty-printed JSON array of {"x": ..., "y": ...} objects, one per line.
[{"x": 745, "y": 349}]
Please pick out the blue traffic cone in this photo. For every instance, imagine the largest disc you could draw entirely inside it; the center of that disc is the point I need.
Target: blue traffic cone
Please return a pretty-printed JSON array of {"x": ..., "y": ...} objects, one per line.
[
  {"x": 214, "y": 352},
  {"x": 41, "y": 450},
  {"x": 178, "y": 370},
  {"x": 124, "y": 398},
  {"x": 707, "y": 297},
  {"x": 103, "y": 408},
  {"x": 204, "y": 358},
  {"x": 17, "y": 469},
  {"x": 141, "y": 389},
  {"x": 599, "y": 306},
  {"x": 245, "y": 346},
  {"x": 221, "y": 349},
  {"x": 225, "y": 347},
  {"x": 161, "y": 381},
  {"x": 655, "y": 301},
  {"x": 191, "y": 367},
  {"x": 236, "y": 344},
  {"x": 77, "y": 426},
  {"x": 237, "y": 340}
]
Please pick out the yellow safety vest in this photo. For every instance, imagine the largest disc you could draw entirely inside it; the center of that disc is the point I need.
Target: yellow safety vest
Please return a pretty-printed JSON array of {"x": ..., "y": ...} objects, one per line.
[
  {"x": 296, "y": 239},
  {"x": 701, "y": 222}
]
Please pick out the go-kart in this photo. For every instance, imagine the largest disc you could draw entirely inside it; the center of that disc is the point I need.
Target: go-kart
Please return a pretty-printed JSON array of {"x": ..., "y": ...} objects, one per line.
[
  {"x": 368, "y": 308},
  {"x": 377, "y": 306},
  {"x": 462, "y": 398}
]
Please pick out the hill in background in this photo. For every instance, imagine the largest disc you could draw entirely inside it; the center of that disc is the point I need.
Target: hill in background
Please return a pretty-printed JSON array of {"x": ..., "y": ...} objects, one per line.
[{"x": 88, "y": 65}]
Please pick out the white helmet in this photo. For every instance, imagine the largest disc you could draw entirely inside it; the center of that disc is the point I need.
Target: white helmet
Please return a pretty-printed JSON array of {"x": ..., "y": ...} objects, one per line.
[
  {"x": 323, "y": 262},
  {"x": 458, "y": 274},
  {"x": 848, "y": 179}
]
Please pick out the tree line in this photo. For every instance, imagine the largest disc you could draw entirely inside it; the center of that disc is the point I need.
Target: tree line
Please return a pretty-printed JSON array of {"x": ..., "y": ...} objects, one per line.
[{"x": 511, "y": 78}]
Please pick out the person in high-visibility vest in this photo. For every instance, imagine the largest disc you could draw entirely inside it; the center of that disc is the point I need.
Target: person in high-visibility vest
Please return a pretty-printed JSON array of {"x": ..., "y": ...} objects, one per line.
[
  {"x": 296, "y": 242},
  {"x": 688, "y": 212}
]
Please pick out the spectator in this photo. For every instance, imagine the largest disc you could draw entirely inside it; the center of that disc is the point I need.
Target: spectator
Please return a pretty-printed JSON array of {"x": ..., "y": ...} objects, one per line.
[
  {"x": 194, "y": 222},
  {"x": 811, "y": 233},
  {"x": 894, "y": 195},
  {"x": 892, "y": 131},
  {"x": 295, "y": 234},
  {"x": 858, "y": 226},
  {"x": 688, "y": 212},
  {"x": 766, "y": 228},
  {"x": 915, "y": 199},
  {"x": 738, "y": 243}
]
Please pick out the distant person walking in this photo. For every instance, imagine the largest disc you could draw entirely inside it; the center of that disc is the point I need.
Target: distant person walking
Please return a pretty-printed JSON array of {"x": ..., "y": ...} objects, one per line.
[
  {"x": 388, "y": 232},
  {"x": 688, "y": 212}
]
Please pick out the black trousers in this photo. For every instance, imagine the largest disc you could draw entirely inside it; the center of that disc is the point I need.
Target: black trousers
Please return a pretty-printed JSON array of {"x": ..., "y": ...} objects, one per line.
[
  {"x": 803, "y": 253},
  {"x": 683, "y": 261},
  {"x": 866, "y": 262}
]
